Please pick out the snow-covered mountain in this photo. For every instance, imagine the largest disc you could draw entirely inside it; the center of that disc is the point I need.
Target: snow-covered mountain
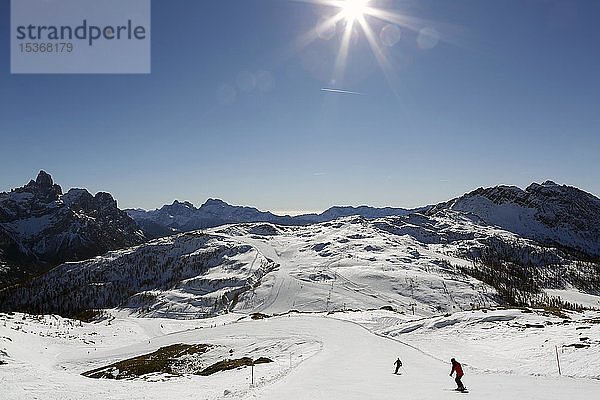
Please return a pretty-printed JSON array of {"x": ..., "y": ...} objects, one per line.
[
  {"x": 352, "y": 291},
  {"x": 475, "y": 250},
  {"x": 185, "y": 217},
  {"x": 423, "y": 264},
  {"x": 363, "y": 211},
  {"x": 41, "y": 227},
  {"x": 548, "y": 213}
]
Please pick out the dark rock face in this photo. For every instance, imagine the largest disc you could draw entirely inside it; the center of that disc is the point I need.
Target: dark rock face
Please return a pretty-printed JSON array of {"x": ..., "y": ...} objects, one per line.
[
  {"x": 43, "y": 187},
  {"x": 40, "y": 227}
]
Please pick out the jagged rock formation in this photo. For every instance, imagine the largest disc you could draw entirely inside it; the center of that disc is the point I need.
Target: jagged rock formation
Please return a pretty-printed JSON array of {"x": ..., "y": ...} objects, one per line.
[{"x": 41, "y": 227}]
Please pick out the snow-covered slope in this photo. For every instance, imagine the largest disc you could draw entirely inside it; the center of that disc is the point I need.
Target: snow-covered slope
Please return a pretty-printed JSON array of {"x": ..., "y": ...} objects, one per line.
[
  {"x": 348, "y": 263},
  {"x": 417, "y": 264},
  {"x": 346, "y": 356},
  {"x": 423, "y": 287},
  {"x": 41, "y": 227},
  {"x": 549, "y": 213},
  {"x": 191, "y": 275}
]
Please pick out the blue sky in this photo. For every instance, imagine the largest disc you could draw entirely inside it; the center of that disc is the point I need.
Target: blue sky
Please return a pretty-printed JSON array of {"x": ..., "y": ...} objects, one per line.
[{"x": 508, "y": 95}]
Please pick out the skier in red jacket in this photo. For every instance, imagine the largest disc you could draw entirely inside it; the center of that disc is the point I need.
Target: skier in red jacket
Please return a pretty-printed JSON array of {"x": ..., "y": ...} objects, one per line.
[{"x": 456, "y": 367}]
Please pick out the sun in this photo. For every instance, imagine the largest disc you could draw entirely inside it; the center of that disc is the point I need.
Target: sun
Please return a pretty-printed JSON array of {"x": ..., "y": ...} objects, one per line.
[
  {"x": 362, "y": 19},
  {"x": 353, "y": 9}
]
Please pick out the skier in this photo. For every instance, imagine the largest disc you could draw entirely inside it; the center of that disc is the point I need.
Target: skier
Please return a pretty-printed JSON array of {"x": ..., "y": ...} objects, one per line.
[
  {"x": 456, "y": 367},
  {"x": 398, "y": 364}
]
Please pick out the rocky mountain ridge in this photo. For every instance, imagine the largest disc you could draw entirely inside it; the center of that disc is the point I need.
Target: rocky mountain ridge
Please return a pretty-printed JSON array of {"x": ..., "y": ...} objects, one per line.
[
  {"x": 552, "y": 214},
  {"x": 41, "y": 227}
]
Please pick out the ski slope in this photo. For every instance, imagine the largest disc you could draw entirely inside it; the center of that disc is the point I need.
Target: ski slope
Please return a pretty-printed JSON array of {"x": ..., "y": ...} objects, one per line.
[
  {"x": 352, "y": 263},
  {"x": 413, "y": 264},
  {"x": 340, "y": 345},
  {"x": 357, "y": 364},
  {"x": 316, "y": 357}
]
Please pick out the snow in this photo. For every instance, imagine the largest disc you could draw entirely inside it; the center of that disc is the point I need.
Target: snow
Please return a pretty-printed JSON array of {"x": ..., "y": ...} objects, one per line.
[
  {"x": 316, "y": 357},
  {"x": 574, "y": 296},
  {"x": 547, "y": 213},
  {"x": 19, "y": 197},
  {"x": 340, "y": 344},
  {"x": 74, "y": 195},
  {"x": 510, "y": 216},
  {"x": 28, "y": 227},
  {"x": 351, "y": 263},
  {"x": 518, "y": 342}
]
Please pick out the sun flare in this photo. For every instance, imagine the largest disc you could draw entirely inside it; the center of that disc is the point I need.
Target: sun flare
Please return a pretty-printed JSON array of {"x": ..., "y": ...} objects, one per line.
[
  {"x": 348, "y": 21},
  {"x": 353, "y": 9}
]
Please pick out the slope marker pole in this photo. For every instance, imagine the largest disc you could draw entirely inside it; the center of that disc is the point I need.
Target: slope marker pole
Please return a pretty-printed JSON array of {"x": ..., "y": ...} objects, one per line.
[{"x": 557, "y": 360}]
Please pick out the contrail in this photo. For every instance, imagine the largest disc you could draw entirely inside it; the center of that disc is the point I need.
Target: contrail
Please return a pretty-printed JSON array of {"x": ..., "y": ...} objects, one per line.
[{"x": 330, "y": 90}]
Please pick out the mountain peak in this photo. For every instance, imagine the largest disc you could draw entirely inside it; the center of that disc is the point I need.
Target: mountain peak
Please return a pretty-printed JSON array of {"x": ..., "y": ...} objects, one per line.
[
  {"x": 182, "y": 203},
  {"x": 550, "y": 183},
  {"x": 46, "y": 227},
  {"x": 215, "y": 203},
  {"x": 105, "y": 200},
  {"x": 43, "y": 187},
  {"x": 547, "y": 212},
  {"x": 547, "y": 184},
  {"x": 44, "y": 180},
  {"x": 178, "y": 207}
]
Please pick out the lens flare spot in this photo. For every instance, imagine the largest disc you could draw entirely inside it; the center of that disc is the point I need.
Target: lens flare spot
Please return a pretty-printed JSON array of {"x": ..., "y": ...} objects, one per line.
[
  {"x": 390, "y": 35},
  {"x": 428, "y": 38}
]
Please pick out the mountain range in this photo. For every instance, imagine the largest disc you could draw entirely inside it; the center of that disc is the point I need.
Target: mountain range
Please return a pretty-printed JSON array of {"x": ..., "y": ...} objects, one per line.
[
  {"x": 549, "y": 213},
  {"x": 185, "y": 217},
  {"x": 500, "y": 245},
  {"x": 42, "y": 227}
]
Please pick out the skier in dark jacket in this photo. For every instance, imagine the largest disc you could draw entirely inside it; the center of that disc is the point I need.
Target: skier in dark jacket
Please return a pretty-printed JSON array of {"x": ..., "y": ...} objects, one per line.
[
  {"x": 398, "y": 364},
  {"x": 456, "y": 367}
]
